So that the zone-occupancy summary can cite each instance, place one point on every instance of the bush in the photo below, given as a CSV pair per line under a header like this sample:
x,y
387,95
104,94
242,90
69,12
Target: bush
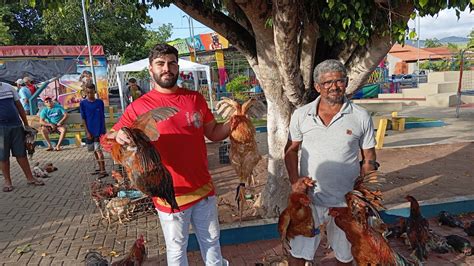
x,y
238,86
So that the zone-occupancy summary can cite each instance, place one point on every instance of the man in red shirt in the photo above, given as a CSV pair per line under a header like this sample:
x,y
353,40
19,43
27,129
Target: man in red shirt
x,y
183,152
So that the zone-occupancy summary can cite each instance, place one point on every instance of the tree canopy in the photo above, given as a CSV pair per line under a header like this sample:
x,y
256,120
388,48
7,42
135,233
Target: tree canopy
x,y
118,26
431,43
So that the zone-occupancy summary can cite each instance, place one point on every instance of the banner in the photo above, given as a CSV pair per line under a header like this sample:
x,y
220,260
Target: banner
x,y
202,42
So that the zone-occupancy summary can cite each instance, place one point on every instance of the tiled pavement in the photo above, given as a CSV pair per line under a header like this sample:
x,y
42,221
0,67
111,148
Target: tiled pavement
x,y
59,223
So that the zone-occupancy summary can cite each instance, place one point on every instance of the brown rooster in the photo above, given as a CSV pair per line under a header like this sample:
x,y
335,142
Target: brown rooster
x,y
141,161
363,226
417,230
136,256
243,154
296,219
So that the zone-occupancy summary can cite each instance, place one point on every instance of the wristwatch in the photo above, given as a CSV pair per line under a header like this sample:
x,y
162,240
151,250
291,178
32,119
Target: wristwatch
x,y
374,163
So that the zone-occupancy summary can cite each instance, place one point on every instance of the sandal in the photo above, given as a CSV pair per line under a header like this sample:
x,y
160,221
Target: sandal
x,y
49,149
102,175
7,188
58,149
35,183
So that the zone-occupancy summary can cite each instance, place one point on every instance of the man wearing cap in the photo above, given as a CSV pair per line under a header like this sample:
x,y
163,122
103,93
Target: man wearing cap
x,y
12,137
25,94
52,119
29,84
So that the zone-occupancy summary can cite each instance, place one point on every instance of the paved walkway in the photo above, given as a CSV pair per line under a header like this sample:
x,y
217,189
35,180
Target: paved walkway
x,y
59,223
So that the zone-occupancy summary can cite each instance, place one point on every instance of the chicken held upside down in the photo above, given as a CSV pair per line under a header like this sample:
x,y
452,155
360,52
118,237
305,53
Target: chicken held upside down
x,y
243,154
141,161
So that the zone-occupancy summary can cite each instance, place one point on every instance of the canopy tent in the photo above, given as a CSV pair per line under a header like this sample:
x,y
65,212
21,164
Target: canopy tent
x,y
184,65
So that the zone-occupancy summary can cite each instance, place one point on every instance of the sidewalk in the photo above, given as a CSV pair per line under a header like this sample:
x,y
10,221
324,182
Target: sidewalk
x,y
59,222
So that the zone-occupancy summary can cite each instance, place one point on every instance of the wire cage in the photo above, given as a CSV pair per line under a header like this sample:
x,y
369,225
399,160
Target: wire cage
x,y
224,149
112,199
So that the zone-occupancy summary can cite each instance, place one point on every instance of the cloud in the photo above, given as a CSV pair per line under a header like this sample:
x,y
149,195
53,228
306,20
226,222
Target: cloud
x,y
445,24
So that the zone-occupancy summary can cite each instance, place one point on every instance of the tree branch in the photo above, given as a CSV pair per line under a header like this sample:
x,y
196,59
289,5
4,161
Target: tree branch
x,y
308,43
224,25
286,28
365,59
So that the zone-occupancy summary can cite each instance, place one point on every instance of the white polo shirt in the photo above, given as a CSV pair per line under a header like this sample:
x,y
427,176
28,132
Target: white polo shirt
x,y
330,154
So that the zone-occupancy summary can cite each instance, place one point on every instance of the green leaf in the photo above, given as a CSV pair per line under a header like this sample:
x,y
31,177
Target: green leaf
x,y
412,35
362,41
342,35
423,2
358,24
331,4
413,15
346,23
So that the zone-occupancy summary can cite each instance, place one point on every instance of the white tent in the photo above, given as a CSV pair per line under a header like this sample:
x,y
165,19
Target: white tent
x,y
184,65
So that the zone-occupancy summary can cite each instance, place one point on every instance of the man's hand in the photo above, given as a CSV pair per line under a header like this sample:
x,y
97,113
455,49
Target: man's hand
x,y
119,136
302,184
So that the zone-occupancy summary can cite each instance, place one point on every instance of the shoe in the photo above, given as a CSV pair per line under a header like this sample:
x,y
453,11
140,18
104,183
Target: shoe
x,y
35,183
49,149
7,188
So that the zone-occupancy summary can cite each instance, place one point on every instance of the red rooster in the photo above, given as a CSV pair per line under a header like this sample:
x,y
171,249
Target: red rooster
x,y
363,226
141,161
136,256
296,219
243,154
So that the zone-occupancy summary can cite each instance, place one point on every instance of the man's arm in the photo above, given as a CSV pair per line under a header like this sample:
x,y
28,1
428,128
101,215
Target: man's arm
x,y
216,131
299,183
368,161
291,159
61,122
22,113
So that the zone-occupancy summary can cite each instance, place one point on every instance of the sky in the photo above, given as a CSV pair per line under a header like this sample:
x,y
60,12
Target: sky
x,y
445,24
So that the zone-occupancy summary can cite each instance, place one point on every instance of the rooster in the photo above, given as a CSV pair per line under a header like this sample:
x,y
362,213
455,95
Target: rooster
x,y
243,153
363,226
417,230
30,138
101,192
296,219
136,256
141,161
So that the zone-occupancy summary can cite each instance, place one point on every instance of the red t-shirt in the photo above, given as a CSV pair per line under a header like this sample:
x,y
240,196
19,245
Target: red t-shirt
x,y
181,144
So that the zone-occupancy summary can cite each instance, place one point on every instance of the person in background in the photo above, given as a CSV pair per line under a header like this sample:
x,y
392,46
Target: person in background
x,y
13,123
25,94
52,118
29,83
85,78
133,91
19,83
93,117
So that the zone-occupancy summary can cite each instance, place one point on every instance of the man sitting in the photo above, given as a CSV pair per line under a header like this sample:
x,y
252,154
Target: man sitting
x,y
52,119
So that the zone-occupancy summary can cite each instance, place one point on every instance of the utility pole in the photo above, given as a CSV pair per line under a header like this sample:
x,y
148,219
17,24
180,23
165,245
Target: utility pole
x,y
91,57
191,35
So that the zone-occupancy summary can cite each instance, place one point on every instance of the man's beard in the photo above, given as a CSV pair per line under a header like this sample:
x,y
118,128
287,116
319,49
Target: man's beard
x,y
335,99
165,83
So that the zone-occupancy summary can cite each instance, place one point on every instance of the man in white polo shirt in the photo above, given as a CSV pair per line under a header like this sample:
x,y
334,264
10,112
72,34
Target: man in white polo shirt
x,y
331,132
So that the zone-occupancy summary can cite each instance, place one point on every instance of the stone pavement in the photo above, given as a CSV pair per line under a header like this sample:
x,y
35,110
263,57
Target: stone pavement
x,y
59,223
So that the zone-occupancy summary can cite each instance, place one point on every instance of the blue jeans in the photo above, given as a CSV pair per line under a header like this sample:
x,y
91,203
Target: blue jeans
x,y
204,219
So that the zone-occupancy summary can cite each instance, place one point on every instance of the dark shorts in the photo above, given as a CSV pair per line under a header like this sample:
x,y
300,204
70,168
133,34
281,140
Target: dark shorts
x,y
93,144
12,138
